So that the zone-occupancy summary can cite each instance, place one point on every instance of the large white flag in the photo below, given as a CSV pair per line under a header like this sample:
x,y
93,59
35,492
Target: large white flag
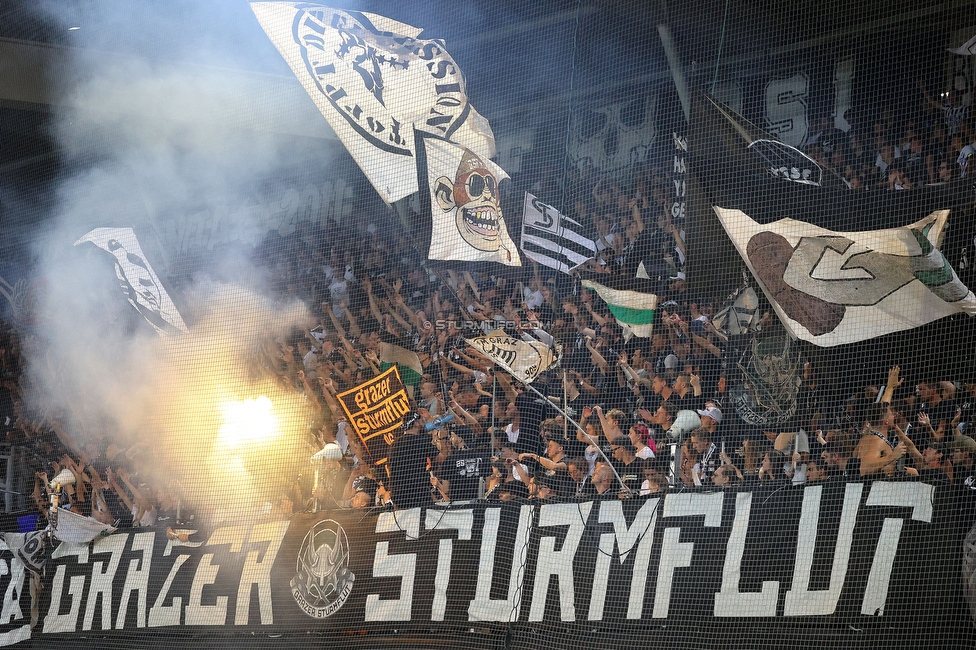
x,y
466,215
832,288
375,82
553,239
138,281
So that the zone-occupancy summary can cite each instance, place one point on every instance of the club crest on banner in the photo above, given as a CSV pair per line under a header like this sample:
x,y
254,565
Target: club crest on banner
x,y
466,214
376,83
323,581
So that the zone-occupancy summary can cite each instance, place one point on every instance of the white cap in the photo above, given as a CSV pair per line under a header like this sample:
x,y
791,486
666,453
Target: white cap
x,y
711,412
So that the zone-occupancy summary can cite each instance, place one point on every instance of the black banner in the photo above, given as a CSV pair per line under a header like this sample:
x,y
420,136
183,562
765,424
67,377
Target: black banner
x,y
375,409
834,553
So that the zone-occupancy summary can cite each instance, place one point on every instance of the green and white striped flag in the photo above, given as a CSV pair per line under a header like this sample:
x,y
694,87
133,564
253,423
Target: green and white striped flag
x,y
411,370
633,310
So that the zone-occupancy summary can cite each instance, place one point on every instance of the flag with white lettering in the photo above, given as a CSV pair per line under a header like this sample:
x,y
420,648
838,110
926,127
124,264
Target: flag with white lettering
x,y
138,280
832,288
460,190
375,409
524,358
553,239
31,550
376,82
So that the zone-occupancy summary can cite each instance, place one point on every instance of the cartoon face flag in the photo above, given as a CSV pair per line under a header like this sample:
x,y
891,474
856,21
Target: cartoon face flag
x,y
832,288
137,279
376,82
466,214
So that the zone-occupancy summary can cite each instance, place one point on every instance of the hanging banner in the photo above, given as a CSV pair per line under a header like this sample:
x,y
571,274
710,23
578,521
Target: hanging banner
x,y
376,82
460,189
678,173
375,409
810,560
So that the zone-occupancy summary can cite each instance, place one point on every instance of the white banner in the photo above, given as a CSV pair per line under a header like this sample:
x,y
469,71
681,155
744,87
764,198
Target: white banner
x,y
466,215
375,82
832,288
138,281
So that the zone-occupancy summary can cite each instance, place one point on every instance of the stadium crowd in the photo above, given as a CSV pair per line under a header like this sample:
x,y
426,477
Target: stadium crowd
x,y
645,415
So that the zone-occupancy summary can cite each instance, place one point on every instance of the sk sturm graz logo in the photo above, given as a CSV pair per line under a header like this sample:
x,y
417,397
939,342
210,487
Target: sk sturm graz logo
x,y
365,74
323,580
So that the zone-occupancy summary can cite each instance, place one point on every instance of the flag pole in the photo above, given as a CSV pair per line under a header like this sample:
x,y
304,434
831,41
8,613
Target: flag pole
x,y
581,430
494,397
677,73
565,419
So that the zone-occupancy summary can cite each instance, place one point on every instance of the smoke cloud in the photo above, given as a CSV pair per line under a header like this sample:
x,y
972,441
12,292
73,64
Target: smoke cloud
x,y
157,127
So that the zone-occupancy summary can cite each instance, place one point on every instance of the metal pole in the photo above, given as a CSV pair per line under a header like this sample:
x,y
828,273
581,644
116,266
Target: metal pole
x,y
494,397
580,429
674,63
315,485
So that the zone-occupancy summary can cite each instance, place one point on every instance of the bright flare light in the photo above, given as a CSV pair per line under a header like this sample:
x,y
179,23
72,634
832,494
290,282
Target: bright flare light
x,y
248,422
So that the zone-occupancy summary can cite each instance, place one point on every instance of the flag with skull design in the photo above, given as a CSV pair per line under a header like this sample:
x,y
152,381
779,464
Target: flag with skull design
x,y
461,189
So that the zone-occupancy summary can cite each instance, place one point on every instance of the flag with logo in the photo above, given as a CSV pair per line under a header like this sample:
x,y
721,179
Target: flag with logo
x,y
460,192
553,239
524,358
137,279
633,310
832,288
376,82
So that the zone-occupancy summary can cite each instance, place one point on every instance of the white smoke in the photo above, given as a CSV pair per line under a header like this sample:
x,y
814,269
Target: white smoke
x,y
157,133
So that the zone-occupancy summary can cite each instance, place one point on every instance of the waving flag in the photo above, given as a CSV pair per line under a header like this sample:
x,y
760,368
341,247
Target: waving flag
x,y
460,192
411,370
832,288
524,358
633,310
553,239
376,82
375,409
137,279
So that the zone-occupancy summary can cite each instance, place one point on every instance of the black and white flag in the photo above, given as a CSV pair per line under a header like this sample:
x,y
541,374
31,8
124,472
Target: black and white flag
x,y
376,82
552,239
138,281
